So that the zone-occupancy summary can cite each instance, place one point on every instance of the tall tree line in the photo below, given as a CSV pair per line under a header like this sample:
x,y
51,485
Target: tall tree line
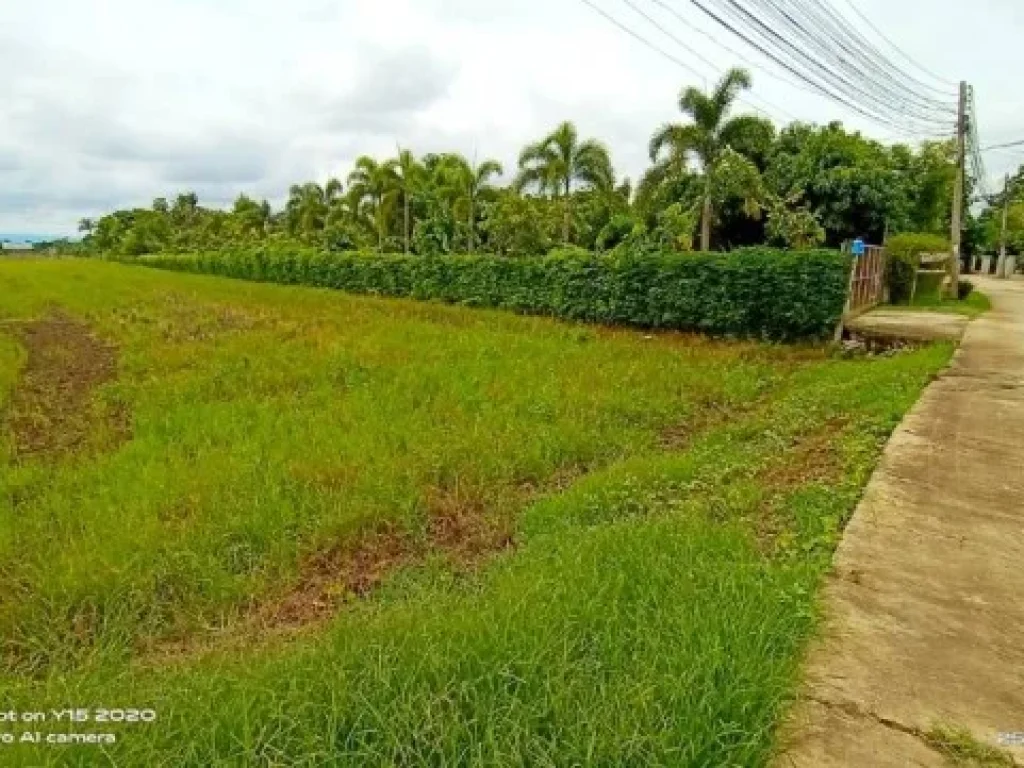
x,y
716,181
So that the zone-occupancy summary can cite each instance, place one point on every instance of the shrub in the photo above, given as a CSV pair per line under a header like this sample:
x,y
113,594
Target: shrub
x,y
569,251
904,258
929,287
758,292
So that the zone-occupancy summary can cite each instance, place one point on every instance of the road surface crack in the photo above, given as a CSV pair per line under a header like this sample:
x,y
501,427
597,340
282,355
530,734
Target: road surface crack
x,y
925,737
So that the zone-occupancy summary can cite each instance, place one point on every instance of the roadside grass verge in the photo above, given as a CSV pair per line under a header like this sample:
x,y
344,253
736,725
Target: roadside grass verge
x,y
673,503
975,305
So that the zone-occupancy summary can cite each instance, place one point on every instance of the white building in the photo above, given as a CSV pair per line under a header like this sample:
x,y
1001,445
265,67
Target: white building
x,y
16,247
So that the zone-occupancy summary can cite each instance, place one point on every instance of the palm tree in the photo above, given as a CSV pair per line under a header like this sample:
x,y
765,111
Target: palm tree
x,y
375,183
469,184
555,163
705,138
309,204
408,173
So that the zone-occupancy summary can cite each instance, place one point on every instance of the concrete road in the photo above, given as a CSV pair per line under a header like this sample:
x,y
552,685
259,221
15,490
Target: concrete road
x,y
925,604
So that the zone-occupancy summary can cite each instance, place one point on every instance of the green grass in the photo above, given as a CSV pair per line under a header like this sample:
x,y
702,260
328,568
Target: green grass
x,y
962,750
653,610
11,361
975,305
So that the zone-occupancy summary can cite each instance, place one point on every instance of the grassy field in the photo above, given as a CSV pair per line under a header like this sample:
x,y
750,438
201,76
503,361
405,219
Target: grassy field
x,y
313,529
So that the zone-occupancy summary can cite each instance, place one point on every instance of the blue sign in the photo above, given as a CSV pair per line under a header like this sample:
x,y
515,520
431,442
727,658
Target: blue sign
x,y
857,249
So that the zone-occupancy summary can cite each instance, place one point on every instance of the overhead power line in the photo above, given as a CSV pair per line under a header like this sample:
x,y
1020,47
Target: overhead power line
x,y
814,45
1010,155
675,60
974,147
712,65
819,31
644,40
731,51
865,51
797,46
786,36
1004,146
817,82
951,84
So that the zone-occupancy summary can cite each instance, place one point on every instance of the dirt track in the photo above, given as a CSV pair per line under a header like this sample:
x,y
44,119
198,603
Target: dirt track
x,y
925,611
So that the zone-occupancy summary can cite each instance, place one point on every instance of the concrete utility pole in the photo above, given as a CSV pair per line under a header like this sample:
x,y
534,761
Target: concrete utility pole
x,y
1001,263
958,191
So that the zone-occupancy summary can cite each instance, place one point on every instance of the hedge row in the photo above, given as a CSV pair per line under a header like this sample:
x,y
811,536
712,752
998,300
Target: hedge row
x,y
757,292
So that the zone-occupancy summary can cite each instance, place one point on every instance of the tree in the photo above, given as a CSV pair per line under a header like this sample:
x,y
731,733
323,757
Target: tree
x,y
251,218
469,185
675,228
850,183
736,180
560,160
931,175
309,206
374,184
792,225
518,225
622,228
185,206
408,175
705,138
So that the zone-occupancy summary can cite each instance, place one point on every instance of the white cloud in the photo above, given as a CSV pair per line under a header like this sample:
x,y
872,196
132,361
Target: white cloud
x,y
113,102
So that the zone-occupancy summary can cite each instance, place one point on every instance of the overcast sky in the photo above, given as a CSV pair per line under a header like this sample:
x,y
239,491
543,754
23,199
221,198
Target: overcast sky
x,y
110,103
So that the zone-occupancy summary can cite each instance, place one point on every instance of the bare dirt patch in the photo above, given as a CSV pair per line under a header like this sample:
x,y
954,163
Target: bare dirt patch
x,y
52,411
460,527
464,526
707,414
813,458
347,571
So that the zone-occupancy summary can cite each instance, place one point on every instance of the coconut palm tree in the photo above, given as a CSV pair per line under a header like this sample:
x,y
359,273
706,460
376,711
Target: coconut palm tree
x,y
705,137
375,184
560,160
468,184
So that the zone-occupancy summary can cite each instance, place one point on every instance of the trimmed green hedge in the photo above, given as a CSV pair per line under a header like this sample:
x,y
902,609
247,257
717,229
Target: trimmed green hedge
x,y
757,292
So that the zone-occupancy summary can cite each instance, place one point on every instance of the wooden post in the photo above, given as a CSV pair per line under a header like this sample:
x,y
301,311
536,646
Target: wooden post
x,y
838,335
958,192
